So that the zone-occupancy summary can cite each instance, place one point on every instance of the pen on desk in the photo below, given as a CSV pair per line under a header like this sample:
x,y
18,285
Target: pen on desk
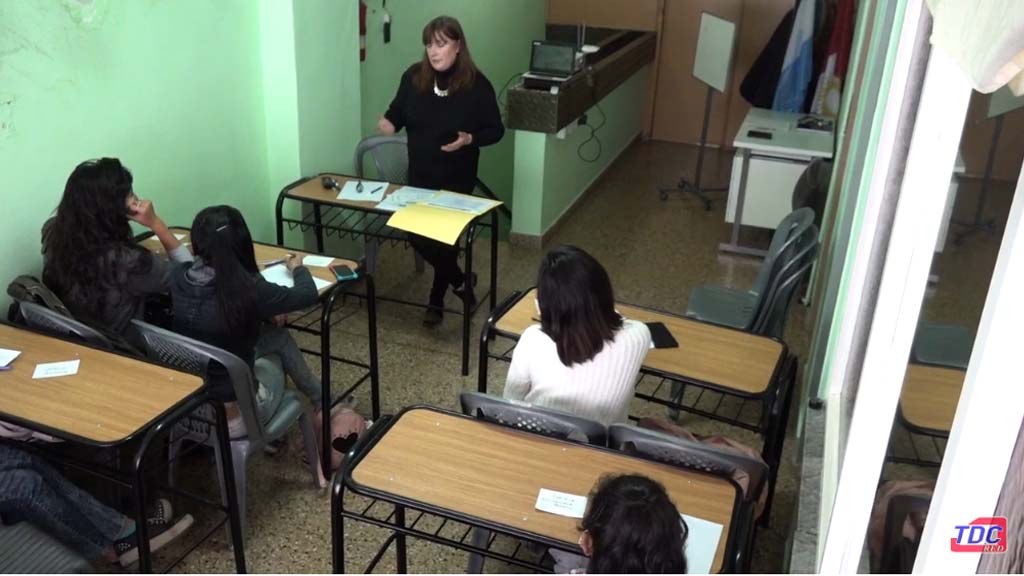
x,y
6,368
269,263
374,191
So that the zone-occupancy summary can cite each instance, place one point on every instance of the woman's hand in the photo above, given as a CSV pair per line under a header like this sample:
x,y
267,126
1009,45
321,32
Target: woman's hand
x,y
463,139
385,127
293,262
144,213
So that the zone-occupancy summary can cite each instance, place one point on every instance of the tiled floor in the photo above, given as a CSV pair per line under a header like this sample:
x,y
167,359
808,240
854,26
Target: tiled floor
x,y
655,252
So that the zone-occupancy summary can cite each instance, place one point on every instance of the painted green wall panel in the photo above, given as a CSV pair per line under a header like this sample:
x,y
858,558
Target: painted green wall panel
x,y
280,89
529,182
566,175
327,71
172,88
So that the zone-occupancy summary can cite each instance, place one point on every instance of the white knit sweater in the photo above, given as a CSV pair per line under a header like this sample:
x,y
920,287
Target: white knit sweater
x,y
599,389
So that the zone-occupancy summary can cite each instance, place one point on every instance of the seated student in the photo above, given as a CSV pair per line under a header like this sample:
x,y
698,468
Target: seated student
x,y
90,260
32,491
631,526
222,299
584,357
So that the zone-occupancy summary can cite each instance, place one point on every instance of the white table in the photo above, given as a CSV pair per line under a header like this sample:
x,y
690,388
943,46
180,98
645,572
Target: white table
x,y
765,171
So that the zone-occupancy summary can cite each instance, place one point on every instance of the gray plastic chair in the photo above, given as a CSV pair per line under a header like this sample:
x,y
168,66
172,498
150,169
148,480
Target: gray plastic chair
x,y
193,356
942,345
390,155
771,321
42,318
544,421
24,549
522,416
691,455
739,308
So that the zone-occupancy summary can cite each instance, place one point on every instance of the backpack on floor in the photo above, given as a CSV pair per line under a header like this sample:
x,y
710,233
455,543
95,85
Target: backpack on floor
x,y
346,426
666,427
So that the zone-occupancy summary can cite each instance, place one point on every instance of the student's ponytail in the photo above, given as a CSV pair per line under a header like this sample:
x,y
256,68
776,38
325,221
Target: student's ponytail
x,y
221,238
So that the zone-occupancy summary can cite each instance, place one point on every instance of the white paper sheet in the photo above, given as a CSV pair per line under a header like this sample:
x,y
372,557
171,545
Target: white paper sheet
x,y
320,261
179,237
7,356
462,203
54,369
405,196
371,191
281,276
561,503
701,544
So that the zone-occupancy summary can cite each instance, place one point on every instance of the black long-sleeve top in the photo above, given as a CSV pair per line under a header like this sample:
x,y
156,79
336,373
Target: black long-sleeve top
x,y
431,121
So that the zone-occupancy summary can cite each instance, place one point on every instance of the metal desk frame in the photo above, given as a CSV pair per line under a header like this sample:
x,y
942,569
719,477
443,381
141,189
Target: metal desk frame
x,y
368,223
135,479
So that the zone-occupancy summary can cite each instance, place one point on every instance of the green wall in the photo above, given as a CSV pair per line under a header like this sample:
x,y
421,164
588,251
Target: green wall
x,y
206,102
172,88
549,173
499,35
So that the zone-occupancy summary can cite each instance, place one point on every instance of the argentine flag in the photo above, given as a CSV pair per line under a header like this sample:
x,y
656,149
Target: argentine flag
x,y
797,67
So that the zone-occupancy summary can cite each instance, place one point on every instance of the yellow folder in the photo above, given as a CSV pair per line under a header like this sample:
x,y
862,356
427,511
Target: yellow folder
x,y
441,224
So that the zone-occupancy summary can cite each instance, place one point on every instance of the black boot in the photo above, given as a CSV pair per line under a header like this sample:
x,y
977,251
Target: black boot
x,y
467,293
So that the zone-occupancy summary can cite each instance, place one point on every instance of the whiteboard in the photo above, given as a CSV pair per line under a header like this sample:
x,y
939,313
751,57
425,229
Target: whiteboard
x,y
1002,101
714,51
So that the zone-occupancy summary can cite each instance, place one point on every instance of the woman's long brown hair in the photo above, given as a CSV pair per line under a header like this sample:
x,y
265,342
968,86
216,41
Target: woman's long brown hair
x,y
465,71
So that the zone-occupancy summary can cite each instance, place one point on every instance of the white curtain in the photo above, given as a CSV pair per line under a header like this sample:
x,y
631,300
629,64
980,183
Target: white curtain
x,y
986,39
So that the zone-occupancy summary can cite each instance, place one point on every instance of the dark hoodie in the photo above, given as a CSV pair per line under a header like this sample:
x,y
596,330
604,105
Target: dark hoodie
x,y
198,315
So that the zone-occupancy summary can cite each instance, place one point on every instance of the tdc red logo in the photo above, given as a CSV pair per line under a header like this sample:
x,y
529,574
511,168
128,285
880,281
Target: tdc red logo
x,y
981,535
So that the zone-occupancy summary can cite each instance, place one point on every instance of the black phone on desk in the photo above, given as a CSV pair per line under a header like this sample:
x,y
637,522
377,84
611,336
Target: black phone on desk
x,y
761,134
660,336
343,272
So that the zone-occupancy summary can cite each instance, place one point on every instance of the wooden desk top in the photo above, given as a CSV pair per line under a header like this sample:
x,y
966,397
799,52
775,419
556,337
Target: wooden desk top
x,y
495,473
111,398
727,358
314,191
930,396
264,252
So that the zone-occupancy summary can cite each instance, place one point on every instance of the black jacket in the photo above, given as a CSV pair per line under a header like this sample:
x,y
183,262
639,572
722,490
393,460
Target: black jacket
x,y
431,121
198,315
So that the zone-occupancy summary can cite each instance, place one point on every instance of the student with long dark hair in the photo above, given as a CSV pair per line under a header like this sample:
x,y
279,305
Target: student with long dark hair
x,y
632,527
90,259
222,299
449,111
583,357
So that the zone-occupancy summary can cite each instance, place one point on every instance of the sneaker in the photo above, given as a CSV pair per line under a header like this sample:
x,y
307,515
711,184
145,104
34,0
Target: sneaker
x,y
161,513
127,548
433,316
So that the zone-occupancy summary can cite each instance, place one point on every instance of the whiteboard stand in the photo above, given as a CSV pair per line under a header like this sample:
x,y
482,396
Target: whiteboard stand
x,y
711,65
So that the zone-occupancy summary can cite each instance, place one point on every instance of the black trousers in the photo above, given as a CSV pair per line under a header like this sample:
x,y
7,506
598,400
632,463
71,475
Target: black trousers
x,y
445,261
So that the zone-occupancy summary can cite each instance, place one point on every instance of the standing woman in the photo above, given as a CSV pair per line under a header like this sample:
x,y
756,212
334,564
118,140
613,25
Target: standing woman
x,y
449,111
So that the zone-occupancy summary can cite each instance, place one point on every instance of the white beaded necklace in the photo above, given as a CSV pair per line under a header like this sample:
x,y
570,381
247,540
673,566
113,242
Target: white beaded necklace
x,y
438,91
